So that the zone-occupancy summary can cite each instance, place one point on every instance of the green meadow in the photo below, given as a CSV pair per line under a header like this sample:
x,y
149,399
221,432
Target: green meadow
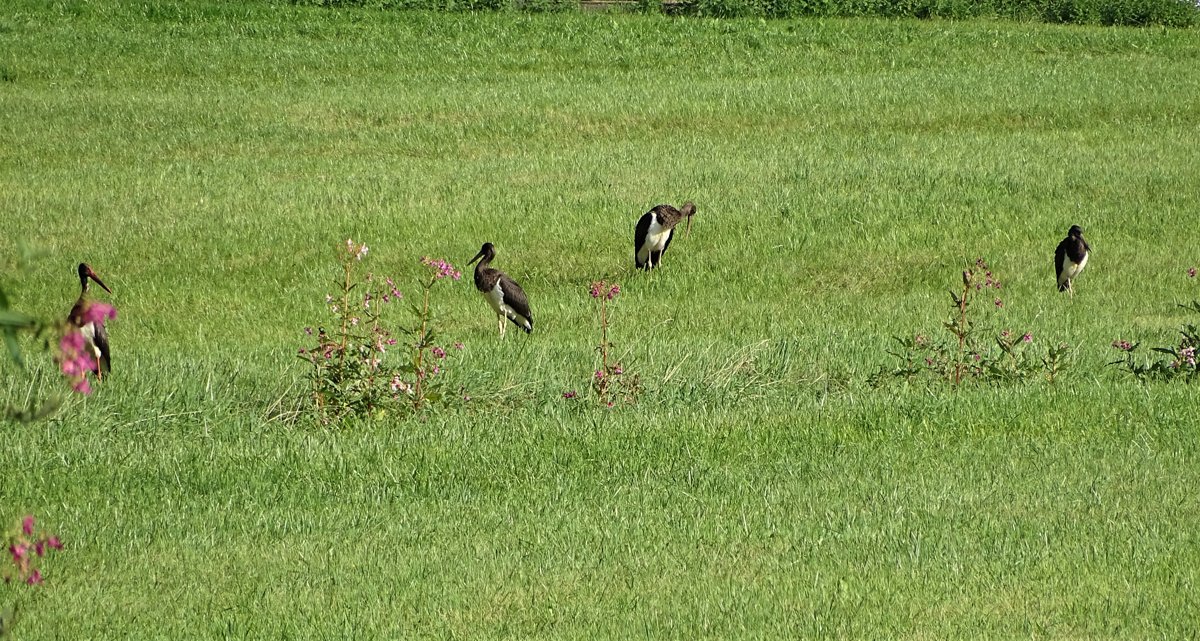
x,y
207,158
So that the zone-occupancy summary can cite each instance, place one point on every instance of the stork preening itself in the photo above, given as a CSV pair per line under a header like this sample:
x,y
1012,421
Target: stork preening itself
x,y
654,230
95,337
1070,257
502,293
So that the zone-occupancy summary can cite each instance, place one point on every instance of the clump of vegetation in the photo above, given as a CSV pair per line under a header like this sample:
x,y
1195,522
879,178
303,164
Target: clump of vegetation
x,y
1178,362
611,382
25,545
350,370
1171,13
971,352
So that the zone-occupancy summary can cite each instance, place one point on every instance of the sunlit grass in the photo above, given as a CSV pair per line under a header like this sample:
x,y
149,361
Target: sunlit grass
x,y
206,158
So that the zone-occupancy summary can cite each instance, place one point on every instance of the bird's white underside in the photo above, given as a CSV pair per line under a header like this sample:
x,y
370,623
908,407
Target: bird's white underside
x,y
495,298
656,240
1071,270
89,339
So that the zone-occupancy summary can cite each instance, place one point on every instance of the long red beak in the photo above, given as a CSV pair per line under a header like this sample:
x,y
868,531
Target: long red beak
x,y
94,277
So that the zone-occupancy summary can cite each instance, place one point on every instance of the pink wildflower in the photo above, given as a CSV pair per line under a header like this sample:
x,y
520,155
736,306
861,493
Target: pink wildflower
x,y
1028,338
54,543
1192,272
458,345
97,312
27,525
35,578
441,268
76,361
570,394
439,352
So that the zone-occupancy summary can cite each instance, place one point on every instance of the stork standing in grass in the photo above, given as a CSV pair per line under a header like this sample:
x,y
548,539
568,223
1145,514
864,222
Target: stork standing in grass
x,y
502,293
1070,257
94,335
654,230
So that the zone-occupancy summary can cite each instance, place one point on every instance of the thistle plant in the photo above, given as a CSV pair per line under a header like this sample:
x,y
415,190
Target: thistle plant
x,y
20,569
350,370
610,382
971,352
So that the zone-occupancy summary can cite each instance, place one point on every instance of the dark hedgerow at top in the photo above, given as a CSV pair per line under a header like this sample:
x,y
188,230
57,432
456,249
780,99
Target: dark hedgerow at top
x,y
1169,13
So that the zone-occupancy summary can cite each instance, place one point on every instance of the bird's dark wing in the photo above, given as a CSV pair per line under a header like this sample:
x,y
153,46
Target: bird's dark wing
x,y
641,230
101,341
76,316
515,298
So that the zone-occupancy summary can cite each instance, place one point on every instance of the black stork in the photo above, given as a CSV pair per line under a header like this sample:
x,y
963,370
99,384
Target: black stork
x,y
654,230
502,293
1070,257
94,335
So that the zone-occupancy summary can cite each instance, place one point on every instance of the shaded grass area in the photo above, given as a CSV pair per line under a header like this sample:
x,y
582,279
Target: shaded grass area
x,y
205,159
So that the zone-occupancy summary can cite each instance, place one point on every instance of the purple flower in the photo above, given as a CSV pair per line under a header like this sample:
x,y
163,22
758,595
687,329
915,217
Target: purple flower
x,y
999,303
570,394
308,331
439,352
597,287
458,345
19,552
27,525
1192,272
54,543
35,578
441,268
1028,338
76,361
1188,354
613,291
599,374
1124,346
98,312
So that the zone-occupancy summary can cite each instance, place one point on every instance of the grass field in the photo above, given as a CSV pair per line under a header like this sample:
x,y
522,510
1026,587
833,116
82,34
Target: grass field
x,y
206,158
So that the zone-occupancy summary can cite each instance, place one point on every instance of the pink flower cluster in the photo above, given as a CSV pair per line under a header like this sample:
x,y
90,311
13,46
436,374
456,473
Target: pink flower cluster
x,y
1124,346
394,294
441,268
1192,272
24,549
98,312
76,360
601,289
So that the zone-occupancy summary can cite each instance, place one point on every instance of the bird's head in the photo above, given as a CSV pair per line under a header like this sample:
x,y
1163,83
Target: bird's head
x,y
86,272
688,210
487,252
1075,231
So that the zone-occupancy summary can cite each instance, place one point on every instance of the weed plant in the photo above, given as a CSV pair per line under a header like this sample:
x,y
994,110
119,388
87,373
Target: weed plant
x,y
1179,362
350,372
611,383
967,355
